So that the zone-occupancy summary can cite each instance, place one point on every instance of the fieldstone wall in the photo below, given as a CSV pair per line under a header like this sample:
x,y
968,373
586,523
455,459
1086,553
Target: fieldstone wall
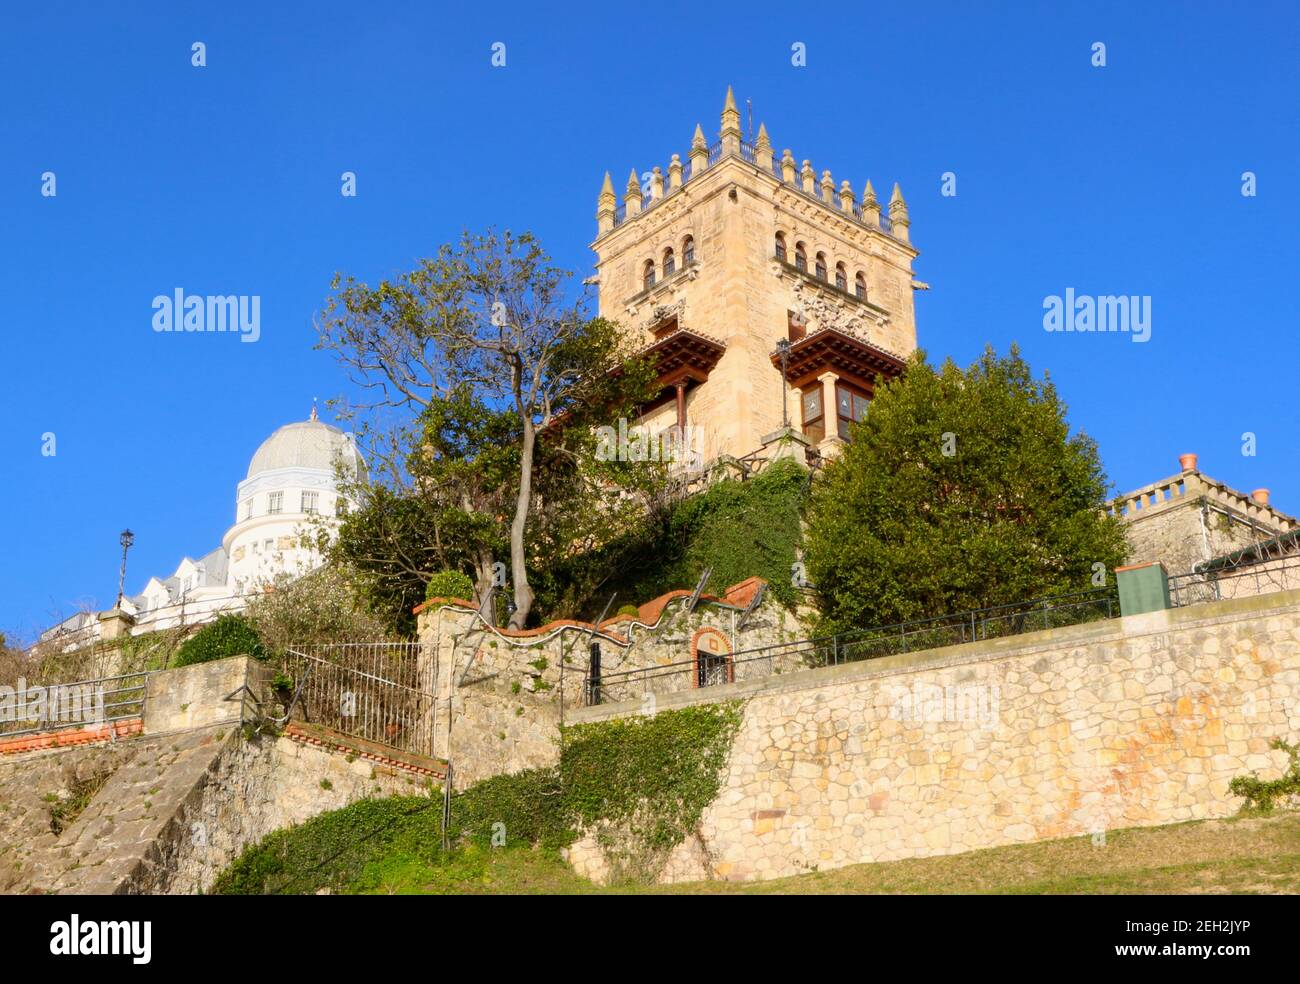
x,y
1129,722
166,811
255,787
170,812
509,691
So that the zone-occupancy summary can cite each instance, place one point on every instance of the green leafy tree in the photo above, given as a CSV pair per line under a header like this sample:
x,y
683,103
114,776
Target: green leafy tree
x,y
497,380
962,489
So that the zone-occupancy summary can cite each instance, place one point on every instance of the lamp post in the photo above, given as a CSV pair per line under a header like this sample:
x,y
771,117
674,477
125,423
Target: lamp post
x,y
783,350
126,539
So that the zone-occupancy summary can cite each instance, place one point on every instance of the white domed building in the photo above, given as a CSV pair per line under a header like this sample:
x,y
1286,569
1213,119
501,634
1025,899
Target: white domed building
x,y
289,489
289,495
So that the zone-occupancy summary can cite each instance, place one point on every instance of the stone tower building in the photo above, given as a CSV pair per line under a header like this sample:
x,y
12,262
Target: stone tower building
x,y
737,259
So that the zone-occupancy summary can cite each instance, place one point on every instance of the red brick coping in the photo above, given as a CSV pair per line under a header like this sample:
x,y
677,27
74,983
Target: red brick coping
x,y
334,741
65,737
737,596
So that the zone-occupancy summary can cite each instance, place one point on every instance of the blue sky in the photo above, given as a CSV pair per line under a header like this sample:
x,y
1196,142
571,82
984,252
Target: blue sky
x,y
225,179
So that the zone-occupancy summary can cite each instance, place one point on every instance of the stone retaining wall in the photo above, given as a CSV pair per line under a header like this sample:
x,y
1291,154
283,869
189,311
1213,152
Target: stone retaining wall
x,y
166,810
1128,722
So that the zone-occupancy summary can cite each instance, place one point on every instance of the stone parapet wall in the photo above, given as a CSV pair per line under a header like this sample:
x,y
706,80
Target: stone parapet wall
x,y
1129,722
509,692
1189,518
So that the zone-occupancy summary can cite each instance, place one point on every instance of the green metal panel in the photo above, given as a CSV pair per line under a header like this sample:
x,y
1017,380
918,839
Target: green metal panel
x,y
1143,589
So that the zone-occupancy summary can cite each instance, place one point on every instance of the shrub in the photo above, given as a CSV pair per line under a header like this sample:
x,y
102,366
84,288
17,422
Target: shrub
x,y
325,606
229,635
1264,795
629,610
449,584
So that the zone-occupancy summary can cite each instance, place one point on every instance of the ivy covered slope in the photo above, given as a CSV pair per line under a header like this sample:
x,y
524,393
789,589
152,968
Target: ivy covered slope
x,y
641,785
740,529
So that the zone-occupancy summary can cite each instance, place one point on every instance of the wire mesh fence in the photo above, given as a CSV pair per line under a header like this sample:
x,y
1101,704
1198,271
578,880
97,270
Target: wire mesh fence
x,y
1261,577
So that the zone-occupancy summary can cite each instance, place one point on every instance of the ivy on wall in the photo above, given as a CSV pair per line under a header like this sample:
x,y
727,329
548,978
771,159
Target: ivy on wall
x,y
740,529
641,784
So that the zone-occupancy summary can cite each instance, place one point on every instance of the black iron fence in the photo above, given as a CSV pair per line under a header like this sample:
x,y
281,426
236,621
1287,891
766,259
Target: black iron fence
x,y
849,647
377,691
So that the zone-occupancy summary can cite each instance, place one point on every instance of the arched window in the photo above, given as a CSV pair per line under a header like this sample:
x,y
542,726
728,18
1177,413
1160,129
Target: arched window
x,y
780,246
670,263
841,277
688,251
648,276
860,286
800,257
821,266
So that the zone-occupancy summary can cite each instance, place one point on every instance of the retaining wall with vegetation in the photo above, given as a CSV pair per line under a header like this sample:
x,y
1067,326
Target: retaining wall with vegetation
x,y
165,811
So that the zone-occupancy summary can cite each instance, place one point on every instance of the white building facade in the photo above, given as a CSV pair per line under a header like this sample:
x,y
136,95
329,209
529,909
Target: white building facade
x,y
287,507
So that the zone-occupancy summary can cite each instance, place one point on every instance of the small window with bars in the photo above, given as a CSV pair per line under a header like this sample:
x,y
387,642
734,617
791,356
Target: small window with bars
x,y
275,503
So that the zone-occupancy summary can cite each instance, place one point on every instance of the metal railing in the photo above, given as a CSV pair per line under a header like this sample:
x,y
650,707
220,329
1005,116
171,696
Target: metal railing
x,y
377,691
932,633
38,708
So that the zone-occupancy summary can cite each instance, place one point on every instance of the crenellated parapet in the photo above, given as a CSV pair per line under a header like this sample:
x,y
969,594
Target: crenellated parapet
x,y
651,187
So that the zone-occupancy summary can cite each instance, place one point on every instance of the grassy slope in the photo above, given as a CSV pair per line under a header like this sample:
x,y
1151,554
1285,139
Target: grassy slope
x,y
1251,855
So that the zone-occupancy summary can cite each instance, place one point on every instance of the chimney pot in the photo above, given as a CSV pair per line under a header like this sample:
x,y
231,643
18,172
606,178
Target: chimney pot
x,y
1260,496
1187,462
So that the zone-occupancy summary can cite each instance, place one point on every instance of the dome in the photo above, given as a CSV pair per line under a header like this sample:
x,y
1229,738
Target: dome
x,y
308,444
